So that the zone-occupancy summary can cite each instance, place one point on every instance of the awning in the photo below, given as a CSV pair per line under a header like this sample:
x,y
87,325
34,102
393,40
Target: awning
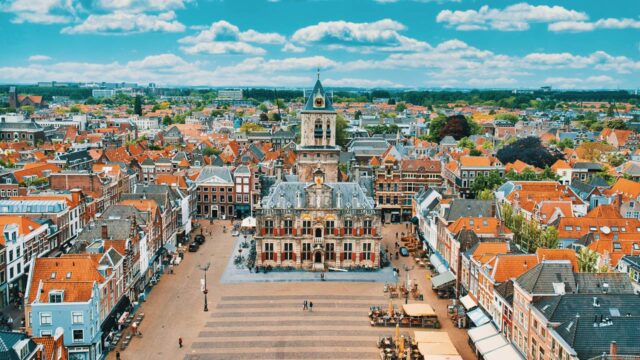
x,y
443,280
437,263
418,310
478,317
170,247
442,357
248,222
505,352
482,332
468,302
484,346
431,336
110,321
445,348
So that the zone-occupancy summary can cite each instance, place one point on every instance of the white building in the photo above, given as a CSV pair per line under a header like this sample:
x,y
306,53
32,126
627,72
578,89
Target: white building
x,y
103,93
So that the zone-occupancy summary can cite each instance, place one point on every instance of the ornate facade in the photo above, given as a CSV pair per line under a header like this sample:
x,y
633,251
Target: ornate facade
x,y
317,223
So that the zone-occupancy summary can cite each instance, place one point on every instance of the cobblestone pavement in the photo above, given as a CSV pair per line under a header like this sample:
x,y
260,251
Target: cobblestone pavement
x,y
265,320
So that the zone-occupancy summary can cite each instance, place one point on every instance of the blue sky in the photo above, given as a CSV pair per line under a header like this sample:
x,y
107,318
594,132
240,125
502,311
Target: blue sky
x,y
360,43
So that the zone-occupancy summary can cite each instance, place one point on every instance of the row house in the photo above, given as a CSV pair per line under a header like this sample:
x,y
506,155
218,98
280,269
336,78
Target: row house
x,y
576,232
546,300
98,186
459,175
185,189
317,225
168,204
216,193
621,139
473,260
40,210
22,239
396,183
542,201
244,189
152,168
582,171
76,293
624,195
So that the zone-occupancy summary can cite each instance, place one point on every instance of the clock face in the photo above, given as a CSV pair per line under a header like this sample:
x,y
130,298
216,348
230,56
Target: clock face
x,y
319,102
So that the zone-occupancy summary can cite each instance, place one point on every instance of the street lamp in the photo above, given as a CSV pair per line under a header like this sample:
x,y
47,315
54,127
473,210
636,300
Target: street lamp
x,y
204,268
406,284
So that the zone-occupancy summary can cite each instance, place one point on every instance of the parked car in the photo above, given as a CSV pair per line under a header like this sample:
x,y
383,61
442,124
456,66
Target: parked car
x,y
404,251
194,246
199,239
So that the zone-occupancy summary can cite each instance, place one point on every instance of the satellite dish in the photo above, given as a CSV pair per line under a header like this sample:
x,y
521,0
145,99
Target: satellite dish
x,y
605,229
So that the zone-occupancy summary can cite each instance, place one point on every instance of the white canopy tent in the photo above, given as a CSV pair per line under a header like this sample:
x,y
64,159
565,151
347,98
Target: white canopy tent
x,y
248,222
489,344
468,302
482,332
507,352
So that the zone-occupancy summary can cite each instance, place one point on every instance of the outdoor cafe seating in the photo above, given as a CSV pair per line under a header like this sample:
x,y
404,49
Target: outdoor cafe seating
x,y
412,315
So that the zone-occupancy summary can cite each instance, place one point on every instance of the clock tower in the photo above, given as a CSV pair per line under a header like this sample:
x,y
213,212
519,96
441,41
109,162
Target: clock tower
x,y
317,149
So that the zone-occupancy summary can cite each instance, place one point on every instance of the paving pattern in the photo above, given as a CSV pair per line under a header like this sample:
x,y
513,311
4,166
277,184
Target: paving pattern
x,y
276,327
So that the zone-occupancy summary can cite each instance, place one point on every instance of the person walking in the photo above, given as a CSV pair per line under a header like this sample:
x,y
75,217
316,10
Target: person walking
x,y
396,234
310,306
117,355
304,305
180,342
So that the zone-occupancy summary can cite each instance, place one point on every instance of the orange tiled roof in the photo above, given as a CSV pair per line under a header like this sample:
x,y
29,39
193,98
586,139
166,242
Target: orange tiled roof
x,y
480,225
505,267
488,250
559,254
37,169
25,225
604,212
628,188
475,161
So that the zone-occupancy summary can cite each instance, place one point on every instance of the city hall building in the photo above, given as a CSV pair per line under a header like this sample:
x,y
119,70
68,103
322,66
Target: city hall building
x,y
316,223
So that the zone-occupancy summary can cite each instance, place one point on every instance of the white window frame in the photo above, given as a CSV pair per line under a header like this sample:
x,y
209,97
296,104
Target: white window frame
x,y
46,315
75,315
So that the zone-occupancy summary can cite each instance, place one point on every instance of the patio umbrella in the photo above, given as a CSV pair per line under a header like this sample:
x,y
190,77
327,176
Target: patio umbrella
x,y
401,350
397,334
390,308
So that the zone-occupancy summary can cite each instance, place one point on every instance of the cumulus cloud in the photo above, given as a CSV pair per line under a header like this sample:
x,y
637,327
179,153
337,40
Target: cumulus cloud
x,y
120,22
516,17
223,37
39,58
382,35
362,83
41,11
141,5
575,82
289,47
608,23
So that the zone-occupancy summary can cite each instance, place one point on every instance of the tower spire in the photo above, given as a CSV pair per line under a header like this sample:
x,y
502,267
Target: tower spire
x,y
318,72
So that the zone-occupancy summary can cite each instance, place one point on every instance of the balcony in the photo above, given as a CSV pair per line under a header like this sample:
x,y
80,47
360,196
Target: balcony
x,y
317,241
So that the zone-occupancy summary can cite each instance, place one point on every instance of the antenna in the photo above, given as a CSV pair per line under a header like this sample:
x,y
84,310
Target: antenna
x,y
318,72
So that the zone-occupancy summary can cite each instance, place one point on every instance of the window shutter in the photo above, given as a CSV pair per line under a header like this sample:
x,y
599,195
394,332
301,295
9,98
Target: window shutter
x,y
295,231
373,231
262,232
275,232
373,257
335,232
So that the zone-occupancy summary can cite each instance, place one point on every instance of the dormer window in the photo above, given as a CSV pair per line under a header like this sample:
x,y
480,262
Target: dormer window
x,y
53,275
69,275
56,296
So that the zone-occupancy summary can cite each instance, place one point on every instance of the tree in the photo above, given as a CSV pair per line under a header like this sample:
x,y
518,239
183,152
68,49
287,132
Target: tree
x,y
264,117
357,114
341,131
391,102
208,151
466,143
611,111
617,124
29,109
74,109
529,150
485,194
250,127
513,118
587,260
593,151
491,182
456,126
166,120
275,117
137,105
263,108
400,107
566,143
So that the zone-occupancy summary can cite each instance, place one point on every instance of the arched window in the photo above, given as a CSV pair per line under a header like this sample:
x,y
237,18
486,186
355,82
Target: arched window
x,y
328,130
317,130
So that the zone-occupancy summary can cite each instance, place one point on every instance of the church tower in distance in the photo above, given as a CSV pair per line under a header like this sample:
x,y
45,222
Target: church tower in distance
x,y
317,149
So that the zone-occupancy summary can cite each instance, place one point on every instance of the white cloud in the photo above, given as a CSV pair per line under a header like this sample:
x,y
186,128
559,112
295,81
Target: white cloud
x,y
260,65
41,11
361,83
575,82
598,60
289,47
516,17
223,37
120,22
608,23
382,35
141,5
39,58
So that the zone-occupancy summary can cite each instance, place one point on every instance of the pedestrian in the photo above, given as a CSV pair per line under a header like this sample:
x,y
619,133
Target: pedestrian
x,y
117,355
310,306
396,234
180,342
304,305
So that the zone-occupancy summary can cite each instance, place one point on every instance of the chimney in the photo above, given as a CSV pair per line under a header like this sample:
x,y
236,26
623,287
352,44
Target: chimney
x,y
105,231
613,350
75,195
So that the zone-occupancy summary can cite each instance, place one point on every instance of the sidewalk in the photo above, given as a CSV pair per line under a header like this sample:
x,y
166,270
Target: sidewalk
x,y
233,275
